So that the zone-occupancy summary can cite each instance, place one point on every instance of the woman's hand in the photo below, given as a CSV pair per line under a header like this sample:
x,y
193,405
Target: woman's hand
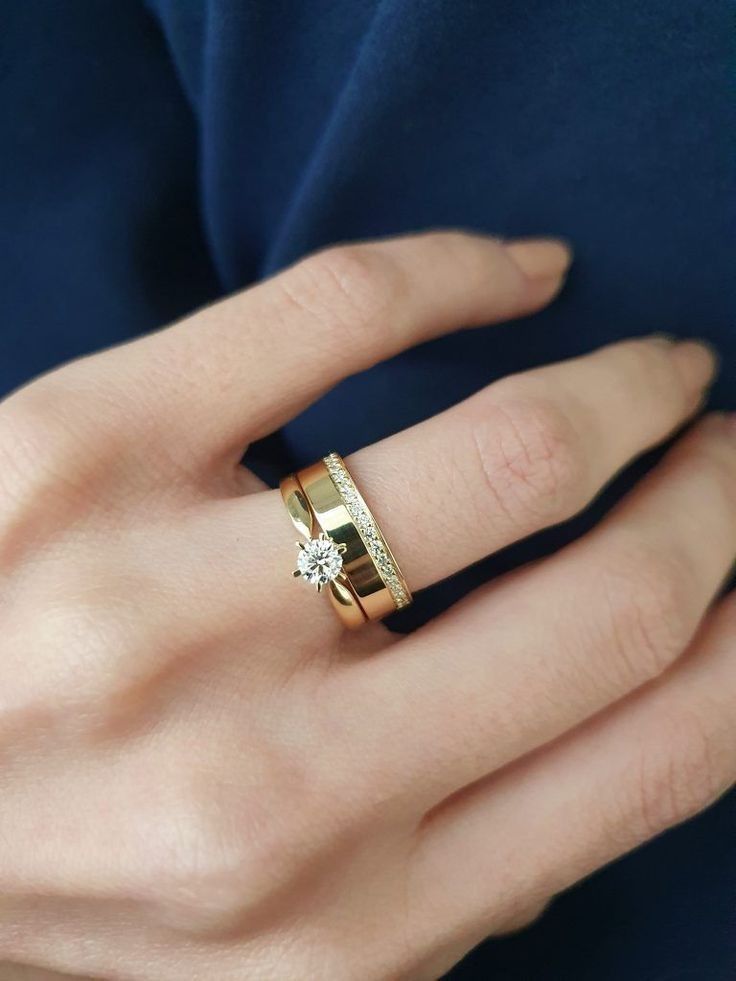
x,y
204,777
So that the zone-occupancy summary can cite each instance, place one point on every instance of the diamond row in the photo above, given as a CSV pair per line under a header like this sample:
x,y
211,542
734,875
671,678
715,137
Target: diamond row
x,y
368,529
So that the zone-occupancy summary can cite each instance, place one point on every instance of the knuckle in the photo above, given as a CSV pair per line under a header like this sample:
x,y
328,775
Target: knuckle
x,y
26,419
647,596
680,777
229,854
347,289
52,455
41,448
71,641
198,879
530,459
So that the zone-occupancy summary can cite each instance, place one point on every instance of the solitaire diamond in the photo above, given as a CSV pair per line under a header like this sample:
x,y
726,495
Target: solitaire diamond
x,y
319,560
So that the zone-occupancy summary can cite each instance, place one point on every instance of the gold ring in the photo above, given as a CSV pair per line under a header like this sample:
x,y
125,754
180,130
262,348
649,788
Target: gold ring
x,y
344,550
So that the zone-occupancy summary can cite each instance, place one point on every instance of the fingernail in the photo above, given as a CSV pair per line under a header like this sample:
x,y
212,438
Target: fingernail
x,y
540,258
697,361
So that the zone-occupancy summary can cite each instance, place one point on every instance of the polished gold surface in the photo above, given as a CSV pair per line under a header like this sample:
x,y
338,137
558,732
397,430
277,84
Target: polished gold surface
x,y
342,596
323,499
297,506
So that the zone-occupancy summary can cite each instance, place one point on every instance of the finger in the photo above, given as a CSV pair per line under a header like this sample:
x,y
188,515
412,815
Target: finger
x,y
20,972
523,661
525,453
649,763
522,454
240,368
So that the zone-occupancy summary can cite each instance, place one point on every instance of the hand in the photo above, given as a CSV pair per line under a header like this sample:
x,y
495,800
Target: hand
x,y
204,776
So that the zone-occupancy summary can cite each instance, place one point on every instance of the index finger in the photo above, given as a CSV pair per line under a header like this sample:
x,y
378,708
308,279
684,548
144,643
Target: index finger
x,y
240,368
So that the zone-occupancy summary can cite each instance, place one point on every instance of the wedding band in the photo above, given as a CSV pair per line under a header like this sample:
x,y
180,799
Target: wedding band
x,y
345,550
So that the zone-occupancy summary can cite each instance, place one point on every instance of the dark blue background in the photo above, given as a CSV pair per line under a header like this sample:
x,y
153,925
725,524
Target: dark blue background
x,y
157,156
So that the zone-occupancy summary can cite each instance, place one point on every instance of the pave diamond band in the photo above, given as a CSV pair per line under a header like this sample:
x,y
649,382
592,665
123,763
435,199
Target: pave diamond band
x,y
344,550
369,531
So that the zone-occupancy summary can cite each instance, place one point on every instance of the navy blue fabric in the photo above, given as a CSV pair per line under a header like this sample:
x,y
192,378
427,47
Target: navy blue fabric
x,y
156,156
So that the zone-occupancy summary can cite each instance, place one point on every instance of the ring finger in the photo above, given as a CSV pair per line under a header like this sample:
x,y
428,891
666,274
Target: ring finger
x,y
523,454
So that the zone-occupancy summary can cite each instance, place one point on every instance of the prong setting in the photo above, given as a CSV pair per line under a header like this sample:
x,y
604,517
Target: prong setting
x,y
320,560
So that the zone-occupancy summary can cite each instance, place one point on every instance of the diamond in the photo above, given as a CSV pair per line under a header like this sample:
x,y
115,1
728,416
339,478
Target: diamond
x,y
367,529
319,560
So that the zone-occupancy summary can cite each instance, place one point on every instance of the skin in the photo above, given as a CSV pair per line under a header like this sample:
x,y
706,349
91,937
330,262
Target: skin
x,y
204,776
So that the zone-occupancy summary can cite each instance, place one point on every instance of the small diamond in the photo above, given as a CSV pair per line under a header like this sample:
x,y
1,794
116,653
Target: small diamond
x,y
319,561
366,526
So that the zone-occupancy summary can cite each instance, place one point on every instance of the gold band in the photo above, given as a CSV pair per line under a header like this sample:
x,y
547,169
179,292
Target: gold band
x,y
324,503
